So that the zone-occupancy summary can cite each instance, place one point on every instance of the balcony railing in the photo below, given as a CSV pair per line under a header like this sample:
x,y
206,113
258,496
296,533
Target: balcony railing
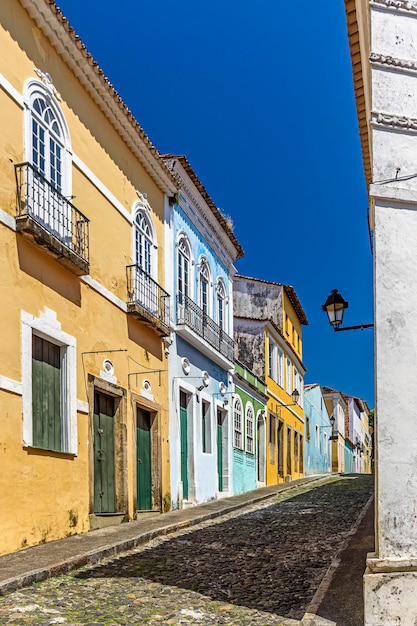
x,y
147,300
47,217
190,314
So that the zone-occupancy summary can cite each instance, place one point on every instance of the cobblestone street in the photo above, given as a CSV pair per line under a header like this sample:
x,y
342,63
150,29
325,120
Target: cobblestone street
x,y
261,565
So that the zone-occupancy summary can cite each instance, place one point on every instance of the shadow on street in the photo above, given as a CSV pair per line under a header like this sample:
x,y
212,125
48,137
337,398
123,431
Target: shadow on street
x,y
272,559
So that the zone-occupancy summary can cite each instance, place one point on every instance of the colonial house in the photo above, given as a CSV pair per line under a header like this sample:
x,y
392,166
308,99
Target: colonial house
x,y
268,320
200,253
249,430
317,433
83,370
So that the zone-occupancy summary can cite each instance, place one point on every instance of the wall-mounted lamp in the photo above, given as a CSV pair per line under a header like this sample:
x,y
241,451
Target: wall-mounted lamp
x,y
335,306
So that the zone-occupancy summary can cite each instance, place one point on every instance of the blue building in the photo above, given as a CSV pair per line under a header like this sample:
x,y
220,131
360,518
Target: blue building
x,y
199,273
318,430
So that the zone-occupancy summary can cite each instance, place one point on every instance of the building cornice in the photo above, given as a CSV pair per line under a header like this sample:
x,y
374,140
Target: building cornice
x,y
401,6
50,20
383,60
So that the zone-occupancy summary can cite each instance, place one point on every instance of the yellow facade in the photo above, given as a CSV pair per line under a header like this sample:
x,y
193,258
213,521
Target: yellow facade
x,y
50,494
285,424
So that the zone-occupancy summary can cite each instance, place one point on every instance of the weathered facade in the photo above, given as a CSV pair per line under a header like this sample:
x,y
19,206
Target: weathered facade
x,y
268,320
338,408
199,270
83,375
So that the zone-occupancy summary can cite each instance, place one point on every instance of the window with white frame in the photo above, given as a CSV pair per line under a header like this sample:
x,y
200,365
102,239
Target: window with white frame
x,y
298,384
272,356
206,427
280,366
49,384
317,437
221,303
237,424
183,260
249,429
289,383
143,241
204,286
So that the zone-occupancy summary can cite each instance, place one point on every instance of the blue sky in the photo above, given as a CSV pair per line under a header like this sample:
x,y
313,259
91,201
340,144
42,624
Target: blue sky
x,y
260,99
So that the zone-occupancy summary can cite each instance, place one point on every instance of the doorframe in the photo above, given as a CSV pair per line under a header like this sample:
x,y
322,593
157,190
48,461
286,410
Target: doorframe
x,y
120,442
156,450
226,447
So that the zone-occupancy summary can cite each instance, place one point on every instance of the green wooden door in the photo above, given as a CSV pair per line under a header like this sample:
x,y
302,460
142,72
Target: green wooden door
x,y
184,443
143,462
219,451
104,456
46,395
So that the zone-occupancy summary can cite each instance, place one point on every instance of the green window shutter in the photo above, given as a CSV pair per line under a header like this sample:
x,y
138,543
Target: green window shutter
x,y
46,395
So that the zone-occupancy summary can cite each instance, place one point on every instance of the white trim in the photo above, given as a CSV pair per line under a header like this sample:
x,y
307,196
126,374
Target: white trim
x,y
8,384
9,89
78,163
48,327
7,220
289,408
83,407
103,291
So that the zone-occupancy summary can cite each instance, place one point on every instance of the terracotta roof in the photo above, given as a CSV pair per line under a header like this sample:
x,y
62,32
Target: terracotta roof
x,y
290,291
55,26
202,190
358,84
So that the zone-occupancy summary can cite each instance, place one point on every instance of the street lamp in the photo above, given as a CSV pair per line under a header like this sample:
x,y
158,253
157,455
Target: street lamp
x,y
335,306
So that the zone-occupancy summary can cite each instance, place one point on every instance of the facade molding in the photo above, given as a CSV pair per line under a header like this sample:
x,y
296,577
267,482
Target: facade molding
x,y
103,291
9,89
402,6
389,61
13,386
83,407
394,122
7,220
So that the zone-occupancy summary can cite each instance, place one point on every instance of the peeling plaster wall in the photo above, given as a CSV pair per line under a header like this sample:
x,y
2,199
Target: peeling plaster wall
x,y
250,346
254,299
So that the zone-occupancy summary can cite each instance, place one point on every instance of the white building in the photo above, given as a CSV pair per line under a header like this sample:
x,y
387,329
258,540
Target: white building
x,y
383,43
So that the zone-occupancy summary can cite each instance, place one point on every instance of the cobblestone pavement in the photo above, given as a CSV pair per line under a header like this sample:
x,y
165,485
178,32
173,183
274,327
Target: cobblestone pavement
x,y
260,566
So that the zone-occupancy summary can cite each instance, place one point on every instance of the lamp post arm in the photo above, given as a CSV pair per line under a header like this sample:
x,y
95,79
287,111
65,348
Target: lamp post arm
x,y
360,327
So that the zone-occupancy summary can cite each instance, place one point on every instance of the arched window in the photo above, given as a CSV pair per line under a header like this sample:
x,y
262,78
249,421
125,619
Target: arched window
x,y
249,429
221,303
237,424
143,242
47,144
204,280
183,268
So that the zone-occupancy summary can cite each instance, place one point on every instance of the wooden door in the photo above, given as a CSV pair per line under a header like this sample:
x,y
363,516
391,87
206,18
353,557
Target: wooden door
x,y
220,450
184,443
104,454
144,460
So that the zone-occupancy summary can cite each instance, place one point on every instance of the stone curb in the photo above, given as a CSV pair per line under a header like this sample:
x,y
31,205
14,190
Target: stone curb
x,y
310,618
94,556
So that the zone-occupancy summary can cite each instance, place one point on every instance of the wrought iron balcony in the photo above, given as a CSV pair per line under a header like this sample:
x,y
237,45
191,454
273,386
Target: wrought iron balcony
x,y
147,301
46,216
191,315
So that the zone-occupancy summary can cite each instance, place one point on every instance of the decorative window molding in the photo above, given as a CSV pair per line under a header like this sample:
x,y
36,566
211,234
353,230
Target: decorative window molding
x,y
237,424
249,430
144,240
406,6
400,122
204,280
385,60
47,327
47,138
221,303
184,259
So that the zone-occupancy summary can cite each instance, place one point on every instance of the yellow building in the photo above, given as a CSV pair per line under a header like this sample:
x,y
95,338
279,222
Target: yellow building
x,y
83,369
268,320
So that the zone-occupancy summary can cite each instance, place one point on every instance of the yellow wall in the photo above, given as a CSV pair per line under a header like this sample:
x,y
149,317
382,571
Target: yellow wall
x,y
47,495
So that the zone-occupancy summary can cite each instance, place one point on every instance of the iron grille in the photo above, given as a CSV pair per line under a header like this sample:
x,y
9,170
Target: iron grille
x,y
190,314
38,200
145,292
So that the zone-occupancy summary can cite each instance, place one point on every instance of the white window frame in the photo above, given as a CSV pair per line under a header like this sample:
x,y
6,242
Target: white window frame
x,y
48,327
35,89
289,382
272,359
140,208
280,366
184,251
249,428
221,298
237,426
204,275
